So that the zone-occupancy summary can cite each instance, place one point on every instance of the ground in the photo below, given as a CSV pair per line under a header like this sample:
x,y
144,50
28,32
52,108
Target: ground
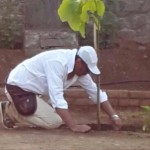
x,y
119,69
64,139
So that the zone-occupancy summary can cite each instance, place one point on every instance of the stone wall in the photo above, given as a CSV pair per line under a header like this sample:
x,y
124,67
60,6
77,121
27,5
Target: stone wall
x,y
118,98
11,24
134,20
39,21
133,17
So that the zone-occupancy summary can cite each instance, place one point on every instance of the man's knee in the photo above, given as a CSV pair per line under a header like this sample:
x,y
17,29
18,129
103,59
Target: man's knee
x,y
55,123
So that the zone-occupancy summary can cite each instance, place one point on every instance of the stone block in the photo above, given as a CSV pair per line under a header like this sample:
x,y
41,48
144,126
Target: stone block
x,y
139,94
145,102
76,93
117,93
40,40
134,102
114,102
56,39
124,103
81,101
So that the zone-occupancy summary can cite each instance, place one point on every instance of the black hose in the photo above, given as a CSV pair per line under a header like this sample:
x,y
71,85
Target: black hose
x,y
124,82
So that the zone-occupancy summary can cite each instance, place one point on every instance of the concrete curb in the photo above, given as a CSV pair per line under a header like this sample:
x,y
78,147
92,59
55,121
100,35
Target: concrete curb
x,y
118,98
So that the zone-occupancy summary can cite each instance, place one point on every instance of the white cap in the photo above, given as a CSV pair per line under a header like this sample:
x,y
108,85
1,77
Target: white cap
x,y
89,56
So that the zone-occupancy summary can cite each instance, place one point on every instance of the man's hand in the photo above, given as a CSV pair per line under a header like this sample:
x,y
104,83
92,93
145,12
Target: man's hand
x,y
117,123
67,118
81,128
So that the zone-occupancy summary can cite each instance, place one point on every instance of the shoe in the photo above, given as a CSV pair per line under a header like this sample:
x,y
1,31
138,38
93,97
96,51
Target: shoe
x,y
4,118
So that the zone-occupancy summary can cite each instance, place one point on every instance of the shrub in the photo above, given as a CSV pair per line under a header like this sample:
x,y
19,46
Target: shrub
x,y
109,25
11,27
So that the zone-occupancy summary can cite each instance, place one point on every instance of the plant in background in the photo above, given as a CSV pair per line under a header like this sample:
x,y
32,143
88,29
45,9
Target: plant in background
x,y
146,115
10,27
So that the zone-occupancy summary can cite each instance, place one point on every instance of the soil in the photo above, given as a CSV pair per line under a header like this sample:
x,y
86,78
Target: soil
x,y
121,69
129,138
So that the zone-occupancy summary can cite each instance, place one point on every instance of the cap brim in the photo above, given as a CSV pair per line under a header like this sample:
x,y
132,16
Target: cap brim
x,y
94,70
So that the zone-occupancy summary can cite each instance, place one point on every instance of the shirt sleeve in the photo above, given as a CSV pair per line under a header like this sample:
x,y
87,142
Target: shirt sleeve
x,y
91,88
55,71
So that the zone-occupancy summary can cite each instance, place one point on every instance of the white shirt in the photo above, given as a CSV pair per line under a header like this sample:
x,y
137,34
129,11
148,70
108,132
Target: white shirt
x,y
46,73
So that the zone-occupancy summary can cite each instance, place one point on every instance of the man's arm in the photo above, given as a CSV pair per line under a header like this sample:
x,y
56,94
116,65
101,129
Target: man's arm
x,y
106,106
66,117
87,83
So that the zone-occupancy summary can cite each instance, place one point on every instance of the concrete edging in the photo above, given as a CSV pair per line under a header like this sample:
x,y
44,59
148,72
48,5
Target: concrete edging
x,y
118,98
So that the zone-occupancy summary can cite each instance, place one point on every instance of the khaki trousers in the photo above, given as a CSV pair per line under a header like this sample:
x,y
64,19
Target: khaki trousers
x,y
44,117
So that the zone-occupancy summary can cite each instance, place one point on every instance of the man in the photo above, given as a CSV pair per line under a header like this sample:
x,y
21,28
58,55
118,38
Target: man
x,y
50,73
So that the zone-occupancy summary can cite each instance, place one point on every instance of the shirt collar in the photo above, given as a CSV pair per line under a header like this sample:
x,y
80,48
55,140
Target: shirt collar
x,y
71,60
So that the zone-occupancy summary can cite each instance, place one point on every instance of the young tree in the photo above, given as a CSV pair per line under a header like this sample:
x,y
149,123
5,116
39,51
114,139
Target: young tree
x,y
78,13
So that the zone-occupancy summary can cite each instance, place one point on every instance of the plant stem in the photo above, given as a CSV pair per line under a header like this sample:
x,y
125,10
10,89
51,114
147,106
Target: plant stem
x,y
96,46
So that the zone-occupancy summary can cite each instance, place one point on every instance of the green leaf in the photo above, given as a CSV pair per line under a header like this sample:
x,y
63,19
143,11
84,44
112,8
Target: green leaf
x,y
69,11
89,6
77,13
82,29
100,8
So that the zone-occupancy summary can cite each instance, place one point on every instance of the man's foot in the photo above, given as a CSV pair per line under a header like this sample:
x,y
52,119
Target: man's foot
x,y
4,118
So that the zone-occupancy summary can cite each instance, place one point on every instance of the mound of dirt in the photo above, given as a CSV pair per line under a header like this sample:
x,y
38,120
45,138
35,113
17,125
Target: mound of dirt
x,y
125,68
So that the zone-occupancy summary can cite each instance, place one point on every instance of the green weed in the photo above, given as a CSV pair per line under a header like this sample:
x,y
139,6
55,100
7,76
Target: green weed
x,y
146,115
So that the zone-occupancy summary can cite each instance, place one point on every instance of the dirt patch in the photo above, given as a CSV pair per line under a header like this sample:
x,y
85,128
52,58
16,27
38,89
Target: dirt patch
x,y
64,139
